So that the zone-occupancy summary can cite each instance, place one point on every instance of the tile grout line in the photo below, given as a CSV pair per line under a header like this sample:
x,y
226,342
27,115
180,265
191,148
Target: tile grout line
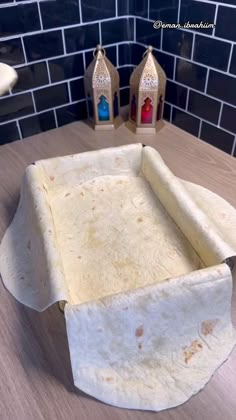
x,y
206,81
178,16
220,114
48,70
84,61
230,58
135,29
55,116
116,8
69,91
148,9
200,129
63,41
215,19
161,40
187,99
193,46
40,16
126,65
234,146
100,33
171,113
80,11
34,105
174,68
19,129
23,49
117,56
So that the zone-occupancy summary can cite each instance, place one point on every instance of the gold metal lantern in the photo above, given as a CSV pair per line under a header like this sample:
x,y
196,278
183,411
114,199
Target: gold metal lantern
x,y
101,82
147,94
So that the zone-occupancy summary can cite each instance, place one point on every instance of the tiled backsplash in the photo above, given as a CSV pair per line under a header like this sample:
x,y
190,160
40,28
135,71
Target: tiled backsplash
x,y
50,43
200,65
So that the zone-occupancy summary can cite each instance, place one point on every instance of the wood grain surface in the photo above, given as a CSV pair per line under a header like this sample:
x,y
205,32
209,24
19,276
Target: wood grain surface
x,y
35,374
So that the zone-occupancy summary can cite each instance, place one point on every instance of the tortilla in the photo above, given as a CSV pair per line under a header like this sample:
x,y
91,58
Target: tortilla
x,y
141,259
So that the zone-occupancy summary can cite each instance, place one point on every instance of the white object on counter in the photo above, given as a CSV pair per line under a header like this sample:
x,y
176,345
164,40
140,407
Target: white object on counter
x,y
8,78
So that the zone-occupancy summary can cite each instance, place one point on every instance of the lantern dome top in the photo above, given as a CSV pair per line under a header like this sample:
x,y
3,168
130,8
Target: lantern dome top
x,y
148,74
100,72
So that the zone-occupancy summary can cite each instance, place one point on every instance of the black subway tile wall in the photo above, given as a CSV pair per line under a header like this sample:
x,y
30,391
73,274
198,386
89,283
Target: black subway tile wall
x,y
18,19
119,30
51,42
43,45
59,13
146,34
94,10
37,123
200,64
225,24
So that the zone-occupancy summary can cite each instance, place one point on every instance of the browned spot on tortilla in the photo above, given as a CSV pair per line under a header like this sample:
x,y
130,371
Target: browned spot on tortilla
x,y
140,346
120,182
125,308
22,278
208,326
52,178
118,161
102,189
93,208
139,331
99,329
29,244
109,379
67,194
79,256
93,239
121,205
82,193
140,220
49,231
189,351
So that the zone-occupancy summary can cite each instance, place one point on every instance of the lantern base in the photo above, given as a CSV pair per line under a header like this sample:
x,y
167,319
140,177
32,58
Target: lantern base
x,y
105,127
144,130
102,127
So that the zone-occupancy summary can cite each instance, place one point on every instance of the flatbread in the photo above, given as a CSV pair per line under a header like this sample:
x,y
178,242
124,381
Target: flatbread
x,y
141,259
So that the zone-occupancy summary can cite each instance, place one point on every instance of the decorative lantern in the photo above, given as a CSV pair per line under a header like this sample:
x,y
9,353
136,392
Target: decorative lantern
x,y
147,94
101,82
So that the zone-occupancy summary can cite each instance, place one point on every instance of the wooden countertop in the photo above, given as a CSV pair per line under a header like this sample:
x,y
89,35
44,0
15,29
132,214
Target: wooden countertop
x,y
35,374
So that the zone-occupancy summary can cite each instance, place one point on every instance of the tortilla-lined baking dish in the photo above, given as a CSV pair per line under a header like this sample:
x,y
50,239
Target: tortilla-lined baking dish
x,y
138,256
